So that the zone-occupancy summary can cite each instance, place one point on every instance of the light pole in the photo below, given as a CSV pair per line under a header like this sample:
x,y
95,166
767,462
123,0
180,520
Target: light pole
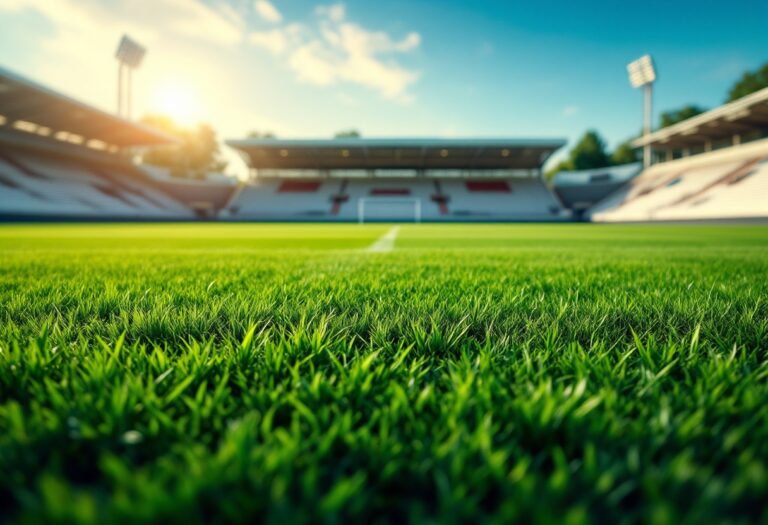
x,y
129,56
642,74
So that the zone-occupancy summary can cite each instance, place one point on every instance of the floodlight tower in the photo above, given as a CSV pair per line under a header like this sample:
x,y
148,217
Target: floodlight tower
x,y
129,56
642,74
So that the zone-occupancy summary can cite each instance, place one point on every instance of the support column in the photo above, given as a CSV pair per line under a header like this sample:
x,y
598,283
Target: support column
x,y
129,94
119,88
647,121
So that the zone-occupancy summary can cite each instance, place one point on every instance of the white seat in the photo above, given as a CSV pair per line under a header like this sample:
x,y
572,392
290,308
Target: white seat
x,y
692,189
263,199
47,186
529,199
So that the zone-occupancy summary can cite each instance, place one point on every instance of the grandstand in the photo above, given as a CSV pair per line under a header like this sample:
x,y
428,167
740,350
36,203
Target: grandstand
x,y
62,159
396,179
581,189
712,166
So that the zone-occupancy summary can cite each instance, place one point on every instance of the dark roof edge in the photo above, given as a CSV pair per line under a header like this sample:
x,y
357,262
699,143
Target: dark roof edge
x,y
553,143
15,77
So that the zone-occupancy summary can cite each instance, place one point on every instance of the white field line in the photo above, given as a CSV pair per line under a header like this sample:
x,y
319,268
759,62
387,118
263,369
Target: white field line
x,y
385,243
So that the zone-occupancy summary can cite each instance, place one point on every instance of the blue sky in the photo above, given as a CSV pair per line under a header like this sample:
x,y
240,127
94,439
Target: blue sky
x,y
391,68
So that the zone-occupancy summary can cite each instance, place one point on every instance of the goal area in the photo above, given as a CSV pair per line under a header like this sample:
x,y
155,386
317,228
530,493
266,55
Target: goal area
x,y
388,209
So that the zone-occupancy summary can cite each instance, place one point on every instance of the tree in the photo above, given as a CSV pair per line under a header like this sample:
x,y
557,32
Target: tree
x,y
196,154
347,134
678,115
624,154
254,134
749,82
589,152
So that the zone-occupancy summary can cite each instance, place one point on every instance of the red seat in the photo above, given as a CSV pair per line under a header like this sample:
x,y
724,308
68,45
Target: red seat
x,y
299,186
493,186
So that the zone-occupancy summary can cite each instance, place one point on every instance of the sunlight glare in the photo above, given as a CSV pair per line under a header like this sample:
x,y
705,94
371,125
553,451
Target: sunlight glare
x,y
178,102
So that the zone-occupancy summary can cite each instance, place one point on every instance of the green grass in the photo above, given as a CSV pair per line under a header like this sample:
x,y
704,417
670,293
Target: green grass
x,y
477,373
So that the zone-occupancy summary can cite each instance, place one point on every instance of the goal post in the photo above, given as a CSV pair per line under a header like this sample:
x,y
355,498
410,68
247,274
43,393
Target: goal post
x,y
388,209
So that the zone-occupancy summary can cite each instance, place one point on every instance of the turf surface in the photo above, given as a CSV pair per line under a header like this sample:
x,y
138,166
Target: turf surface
x,y
280,373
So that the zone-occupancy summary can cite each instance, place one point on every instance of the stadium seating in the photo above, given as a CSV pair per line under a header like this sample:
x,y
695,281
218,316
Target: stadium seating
x,y
38,185
729,183
582,189
63,159
509,199
205,197
393,198
390,198
280,199
743,196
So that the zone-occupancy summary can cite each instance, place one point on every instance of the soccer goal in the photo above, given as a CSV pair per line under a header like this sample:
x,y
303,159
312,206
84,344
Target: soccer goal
x,y
388,209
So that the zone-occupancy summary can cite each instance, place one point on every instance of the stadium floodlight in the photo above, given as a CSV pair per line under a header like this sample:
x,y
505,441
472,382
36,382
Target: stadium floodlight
x,y
642,74
129,52
641,71
129,56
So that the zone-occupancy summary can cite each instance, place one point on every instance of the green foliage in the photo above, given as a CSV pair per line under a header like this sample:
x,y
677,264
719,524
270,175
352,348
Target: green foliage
x,y
667,118
347,134
197,153
589,152
624,154
477,373
749,82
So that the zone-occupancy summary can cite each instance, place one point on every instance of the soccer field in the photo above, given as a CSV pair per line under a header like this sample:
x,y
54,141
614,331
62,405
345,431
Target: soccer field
x,y
217,373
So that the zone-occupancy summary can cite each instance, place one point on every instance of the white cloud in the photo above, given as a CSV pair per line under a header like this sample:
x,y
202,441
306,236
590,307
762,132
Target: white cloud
x,y
313,64
347,99
267,11
193,19
275,41
570,111
334,12
335,50
278,40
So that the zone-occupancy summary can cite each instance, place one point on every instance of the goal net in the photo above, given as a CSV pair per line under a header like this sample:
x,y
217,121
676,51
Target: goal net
x,y
381,209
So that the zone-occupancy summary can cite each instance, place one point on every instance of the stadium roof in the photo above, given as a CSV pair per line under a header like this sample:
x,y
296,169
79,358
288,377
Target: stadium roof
x,y
620,173
31,107
747,114
359,153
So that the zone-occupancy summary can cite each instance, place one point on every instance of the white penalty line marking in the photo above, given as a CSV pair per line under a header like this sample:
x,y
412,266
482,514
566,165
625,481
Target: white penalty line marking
x,y
385,243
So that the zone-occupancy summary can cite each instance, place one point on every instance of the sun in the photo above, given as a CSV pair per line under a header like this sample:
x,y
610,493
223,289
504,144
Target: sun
x,y
177,101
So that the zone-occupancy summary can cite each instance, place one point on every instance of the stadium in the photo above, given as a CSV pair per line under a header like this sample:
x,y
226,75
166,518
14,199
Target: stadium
x,y
431,328
65,160
62,159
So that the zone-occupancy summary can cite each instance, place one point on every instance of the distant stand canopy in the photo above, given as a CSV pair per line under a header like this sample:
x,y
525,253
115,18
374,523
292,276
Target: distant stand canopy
x,y
403,154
